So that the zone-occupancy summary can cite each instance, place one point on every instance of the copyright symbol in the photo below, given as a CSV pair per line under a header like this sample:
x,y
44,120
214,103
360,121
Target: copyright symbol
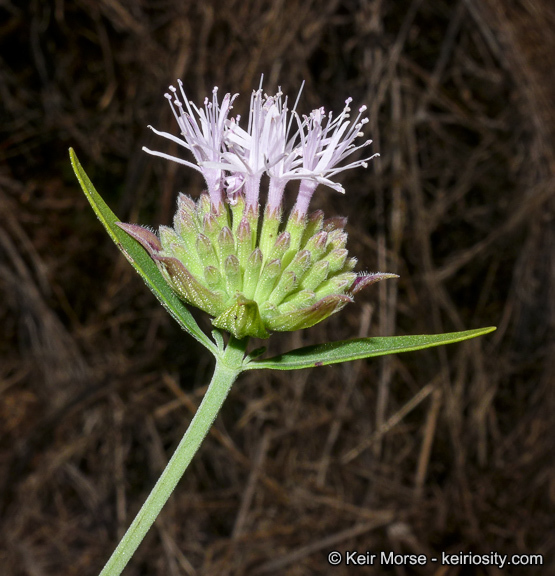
x,y
334,558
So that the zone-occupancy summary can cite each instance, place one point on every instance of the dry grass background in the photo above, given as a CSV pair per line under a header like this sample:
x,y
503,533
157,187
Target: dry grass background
x,y
445,450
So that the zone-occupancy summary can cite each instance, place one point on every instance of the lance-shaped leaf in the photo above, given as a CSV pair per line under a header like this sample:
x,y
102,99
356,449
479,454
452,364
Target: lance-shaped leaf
x,y
345,350
139,259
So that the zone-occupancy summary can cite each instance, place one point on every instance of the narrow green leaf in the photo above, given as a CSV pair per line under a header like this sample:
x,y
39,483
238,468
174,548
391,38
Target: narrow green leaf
x,y
345,350
139,259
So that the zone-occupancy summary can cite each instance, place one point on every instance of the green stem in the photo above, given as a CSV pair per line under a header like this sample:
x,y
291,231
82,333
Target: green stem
x,y
228,367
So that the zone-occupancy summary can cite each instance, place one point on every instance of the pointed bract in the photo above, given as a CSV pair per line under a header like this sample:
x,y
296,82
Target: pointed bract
x,y
307,317
144,236
242,319
364,280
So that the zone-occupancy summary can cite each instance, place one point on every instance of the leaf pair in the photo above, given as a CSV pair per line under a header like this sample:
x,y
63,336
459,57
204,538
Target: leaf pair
x,y
307,357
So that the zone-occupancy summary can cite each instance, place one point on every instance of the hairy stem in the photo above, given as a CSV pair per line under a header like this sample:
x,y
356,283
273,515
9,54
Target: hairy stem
x,y
228,367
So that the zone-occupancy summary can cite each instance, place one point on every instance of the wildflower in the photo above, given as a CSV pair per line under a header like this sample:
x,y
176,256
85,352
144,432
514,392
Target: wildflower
x,y
290,275
203,133
263,147
325,143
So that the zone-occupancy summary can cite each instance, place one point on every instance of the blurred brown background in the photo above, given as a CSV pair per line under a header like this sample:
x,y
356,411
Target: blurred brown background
x,y
445,450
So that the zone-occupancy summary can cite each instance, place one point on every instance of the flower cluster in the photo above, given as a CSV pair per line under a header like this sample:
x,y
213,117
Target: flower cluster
x,y
251,272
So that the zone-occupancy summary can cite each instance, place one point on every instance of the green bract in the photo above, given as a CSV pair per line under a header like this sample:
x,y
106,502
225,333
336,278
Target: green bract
x,y
287,280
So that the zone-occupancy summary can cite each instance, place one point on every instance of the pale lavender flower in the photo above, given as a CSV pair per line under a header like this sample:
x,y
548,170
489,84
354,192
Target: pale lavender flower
x,y
203,134
234,187
233,159
324,144
246,155
283,157
263,147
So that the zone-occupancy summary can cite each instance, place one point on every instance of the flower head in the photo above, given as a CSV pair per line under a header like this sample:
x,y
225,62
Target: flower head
x,y
203,134
325,143
285,276
263,147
